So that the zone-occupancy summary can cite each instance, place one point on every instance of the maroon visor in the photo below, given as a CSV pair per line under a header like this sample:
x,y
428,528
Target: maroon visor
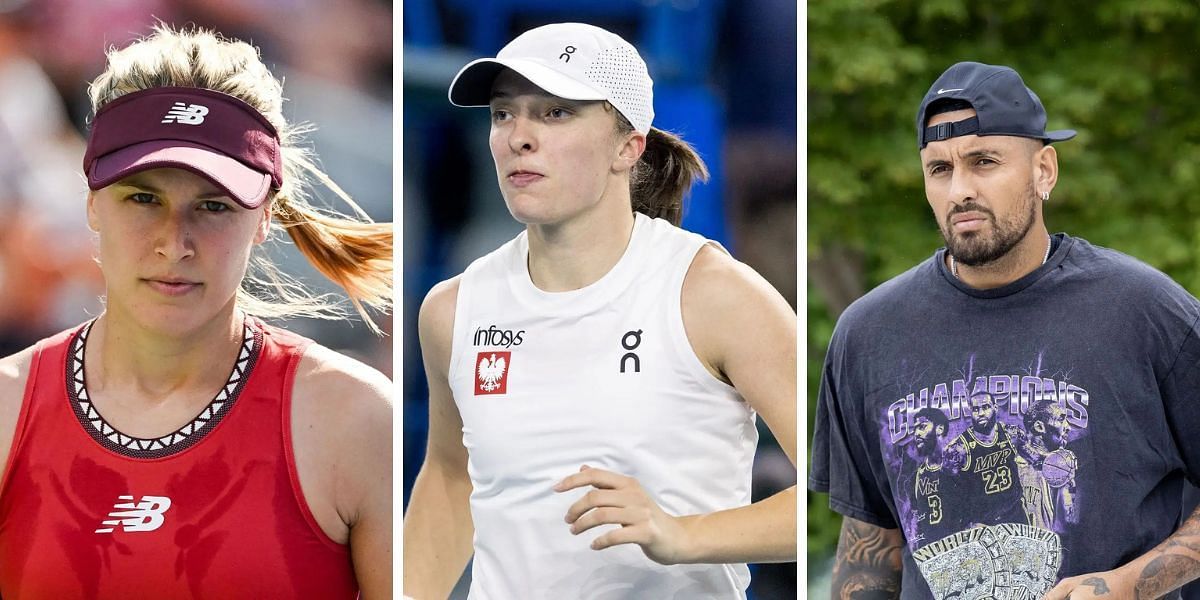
x,y
209,133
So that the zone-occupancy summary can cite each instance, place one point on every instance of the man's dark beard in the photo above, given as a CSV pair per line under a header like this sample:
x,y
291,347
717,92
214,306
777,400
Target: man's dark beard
x,y
974,249
928,450
1054,440
984,427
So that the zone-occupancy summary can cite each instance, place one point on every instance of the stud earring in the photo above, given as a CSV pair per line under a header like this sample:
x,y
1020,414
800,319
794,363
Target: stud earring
x,y
1045,196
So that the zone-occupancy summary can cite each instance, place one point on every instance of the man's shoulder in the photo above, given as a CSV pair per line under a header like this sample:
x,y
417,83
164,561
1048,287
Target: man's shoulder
x,y
882,302
1121,274
1110,262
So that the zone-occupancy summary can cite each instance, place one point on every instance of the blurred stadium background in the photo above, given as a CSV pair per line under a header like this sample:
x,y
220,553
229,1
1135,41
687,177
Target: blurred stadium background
x,y
724,78
1123,73
335,57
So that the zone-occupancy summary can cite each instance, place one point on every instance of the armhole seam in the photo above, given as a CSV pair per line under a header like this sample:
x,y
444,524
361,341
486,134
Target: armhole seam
x,y
457,328
23,415
295,355
691,361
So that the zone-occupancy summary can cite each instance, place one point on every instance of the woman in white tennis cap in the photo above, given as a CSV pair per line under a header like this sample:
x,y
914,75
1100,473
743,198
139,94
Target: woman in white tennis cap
x,y
177,446
594,382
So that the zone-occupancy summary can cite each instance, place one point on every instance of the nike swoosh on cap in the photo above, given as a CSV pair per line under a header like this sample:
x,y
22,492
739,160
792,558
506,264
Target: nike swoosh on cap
x,y
940,92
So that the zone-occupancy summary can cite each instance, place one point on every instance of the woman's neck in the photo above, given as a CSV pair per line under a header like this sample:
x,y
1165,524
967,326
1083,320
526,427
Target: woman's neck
x,y
152,366
576,253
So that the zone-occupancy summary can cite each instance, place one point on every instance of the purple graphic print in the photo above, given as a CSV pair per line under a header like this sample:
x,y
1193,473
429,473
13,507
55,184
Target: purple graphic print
x,y
982,469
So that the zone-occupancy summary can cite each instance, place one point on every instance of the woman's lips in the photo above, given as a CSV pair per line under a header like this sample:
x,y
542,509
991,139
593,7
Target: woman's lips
x,y
172,288
524,178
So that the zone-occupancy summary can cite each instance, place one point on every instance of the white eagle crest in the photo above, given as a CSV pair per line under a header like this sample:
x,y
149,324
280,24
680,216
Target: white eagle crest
x,y
491,372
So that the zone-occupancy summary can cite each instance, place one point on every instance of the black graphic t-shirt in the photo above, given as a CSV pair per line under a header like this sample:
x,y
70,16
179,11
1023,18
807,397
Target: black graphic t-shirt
x,y
1019,435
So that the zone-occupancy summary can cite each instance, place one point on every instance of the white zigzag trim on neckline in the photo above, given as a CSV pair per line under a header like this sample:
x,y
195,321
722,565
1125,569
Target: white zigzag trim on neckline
x,y
102,431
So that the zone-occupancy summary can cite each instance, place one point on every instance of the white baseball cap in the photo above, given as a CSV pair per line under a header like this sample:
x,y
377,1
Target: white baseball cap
x,y
575,61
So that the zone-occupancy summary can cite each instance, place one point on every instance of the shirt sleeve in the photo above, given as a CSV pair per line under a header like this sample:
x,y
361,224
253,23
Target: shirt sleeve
x,y
1181,401
841,462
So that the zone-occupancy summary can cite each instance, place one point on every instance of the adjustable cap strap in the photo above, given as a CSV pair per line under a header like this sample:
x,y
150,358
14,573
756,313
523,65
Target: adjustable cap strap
x,y
945,131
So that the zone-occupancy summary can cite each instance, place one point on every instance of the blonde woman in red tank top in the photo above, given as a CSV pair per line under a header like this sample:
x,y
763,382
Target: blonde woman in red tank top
x,y
177,446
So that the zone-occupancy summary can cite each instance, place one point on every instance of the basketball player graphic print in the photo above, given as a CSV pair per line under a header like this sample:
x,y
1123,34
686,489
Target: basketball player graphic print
x,y
1047,467
930,426
987,483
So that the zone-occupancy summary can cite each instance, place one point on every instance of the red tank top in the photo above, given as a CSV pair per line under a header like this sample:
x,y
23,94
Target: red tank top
x,y
213,510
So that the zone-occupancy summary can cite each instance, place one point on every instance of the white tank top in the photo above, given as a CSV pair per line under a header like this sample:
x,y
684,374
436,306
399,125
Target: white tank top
x,y
603,376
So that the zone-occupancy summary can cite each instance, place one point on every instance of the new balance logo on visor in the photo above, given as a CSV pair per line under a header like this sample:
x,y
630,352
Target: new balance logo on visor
x,y
187,114
146,515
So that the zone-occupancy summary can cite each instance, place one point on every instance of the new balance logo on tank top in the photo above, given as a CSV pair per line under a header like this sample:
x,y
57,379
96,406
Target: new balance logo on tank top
x,y
211,510
603,376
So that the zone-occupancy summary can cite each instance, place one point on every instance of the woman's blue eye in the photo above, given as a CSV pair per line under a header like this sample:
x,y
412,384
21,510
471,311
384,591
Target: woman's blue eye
x,y
142,198
214,206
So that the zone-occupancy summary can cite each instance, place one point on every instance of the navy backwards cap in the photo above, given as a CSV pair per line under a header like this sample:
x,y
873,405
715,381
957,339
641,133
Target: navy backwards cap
x,y
1003,105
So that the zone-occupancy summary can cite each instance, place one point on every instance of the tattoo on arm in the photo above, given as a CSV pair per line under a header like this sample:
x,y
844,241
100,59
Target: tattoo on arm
x,y
1163,574
1098,585
868,565
1177,563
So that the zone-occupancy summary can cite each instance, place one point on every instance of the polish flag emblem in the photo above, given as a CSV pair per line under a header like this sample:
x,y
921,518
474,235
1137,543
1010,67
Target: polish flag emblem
x,y
491,373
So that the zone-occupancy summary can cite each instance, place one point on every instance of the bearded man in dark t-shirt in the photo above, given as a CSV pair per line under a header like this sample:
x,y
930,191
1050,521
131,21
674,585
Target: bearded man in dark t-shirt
x,y
1068,377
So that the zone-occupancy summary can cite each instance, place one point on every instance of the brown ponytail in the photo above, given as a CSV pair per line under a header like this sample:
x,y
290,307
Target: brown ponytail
x,y
664,174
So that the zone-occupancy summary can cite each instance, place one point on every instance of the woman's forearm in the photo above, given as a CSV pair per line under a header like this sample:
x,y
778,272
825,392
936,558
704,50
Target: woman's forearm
x,y
762,532
437,534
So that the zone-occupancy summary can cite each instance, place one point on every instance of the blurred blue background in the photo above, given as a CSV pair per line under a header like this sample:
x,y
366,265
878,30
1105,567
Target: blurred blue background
x,y
724,79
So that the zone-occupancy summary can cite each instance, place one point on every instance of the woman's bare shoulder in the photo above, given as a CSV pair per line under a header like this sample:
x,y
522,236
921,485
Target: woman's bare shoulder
x,y
325,373
14,372
342,436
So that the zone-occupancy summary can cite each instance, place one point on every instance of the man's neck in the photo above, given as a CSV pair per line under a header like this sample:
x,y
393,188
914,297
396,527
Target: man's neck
x,y
987,436
1022,260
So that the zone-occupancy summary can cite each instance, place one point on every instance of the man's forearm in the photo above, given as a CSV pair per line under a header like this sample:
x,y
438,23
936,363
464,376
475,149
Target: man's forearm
x,y
761,532
437,535
868,563
1169,565
1154,574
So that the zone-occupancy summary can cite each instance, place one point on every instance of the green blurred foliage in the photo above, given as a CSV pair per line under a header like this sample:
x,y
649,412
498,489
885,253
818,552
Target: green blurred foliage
x,y
1123,73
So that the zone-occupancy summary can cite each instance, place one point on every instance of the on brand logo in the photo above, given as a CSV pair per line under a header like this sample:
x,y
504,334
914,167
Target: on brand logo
x,y
631,346
566,55
187,114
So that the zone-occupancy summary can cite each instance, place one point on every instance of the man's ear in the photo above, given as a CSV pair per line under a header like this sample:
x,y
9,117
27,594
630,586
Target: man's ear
x,y
1045,170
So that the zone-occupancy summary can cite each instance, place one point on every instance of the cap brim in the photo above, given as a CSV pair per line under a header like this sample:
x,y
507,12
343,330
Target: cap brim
x,y
243,184
473,84
1061,135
